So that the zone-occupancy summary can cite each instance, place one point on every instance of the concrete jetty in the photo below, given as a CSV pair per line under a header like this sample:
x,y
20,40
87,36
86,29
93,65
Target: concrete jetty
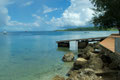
x,y
82,43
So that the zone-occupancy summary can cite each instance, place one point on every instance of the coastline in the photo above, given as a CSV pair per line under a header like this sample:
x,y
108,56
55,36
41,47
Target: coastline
x,y
94,63
88,29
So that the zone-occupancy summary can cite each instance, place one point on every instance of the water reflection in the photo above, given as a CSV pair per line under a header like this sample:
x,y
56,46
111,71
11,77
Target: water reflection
x,y
63,49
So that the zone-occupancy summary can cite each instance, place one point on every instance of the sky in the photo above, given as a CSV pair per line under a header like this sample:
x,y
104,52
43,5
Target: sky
x,y
44,15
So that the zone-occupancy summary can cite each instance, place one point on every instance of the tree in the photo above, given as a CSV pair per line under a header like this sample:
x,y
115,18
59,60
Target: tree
x,y
107,13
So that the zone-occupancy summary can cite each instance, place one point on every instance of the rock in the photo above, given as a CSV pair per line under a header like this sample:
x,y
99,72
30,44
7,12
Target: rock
x,y
58,78
88,74
68,57
72,73
81,54
95,63
115,65
80,63
91,45
85,74
81,60
89,49
106,60
97,46
84,55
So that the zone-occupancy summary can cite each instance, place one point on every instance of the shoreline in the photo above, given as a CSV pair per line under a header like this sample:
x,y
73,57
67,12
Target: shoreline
x,y
102,64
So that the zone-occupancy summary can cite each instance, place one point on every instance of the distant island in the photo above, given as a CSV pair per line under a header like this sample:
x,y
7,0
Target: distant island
x,y
88,29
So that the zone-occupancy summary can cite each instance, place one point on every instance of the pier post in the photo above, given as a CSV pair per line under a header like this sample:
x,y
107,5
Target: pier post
x,y
73,45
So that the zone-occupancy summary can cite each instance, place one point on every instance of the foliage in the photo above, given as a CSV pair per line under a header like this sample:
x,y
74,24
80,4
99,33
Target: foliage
x,y
107,13
88,29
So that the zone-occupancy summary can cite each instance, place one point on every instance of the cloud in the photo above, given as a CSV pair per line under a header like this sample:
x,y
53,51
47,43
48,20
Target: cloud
x,y
46,9
37,23
28,3
77,14
4,17
36,16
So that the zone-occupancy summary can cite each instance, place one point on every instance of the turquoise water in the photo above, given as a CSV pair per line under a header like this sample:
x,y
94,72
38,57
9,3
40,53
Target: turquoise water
x,y
34,55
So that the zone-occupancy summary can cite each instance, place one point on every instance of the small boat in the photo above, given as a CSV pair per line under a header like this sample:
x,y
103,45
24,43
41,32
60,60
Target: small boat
x,y
86,32
4,32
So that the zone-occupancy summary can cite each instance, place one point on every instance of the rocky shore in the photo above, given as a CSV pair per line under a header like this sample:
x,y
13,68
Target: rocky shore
x,y
92,63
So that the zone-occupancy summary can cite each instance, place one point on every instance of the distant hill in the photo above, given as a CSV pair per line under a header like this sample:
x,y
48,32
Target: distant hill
x,y
88,29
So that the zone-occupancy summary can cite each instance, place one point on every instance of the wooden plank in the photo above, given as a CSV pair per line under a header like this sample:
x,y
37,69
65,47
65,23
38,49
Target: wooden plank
x,y
91,39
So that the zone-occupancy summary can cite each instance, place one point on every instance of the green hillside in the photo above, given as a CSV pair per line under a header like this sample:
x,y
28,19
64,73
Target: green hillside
x,y
88,29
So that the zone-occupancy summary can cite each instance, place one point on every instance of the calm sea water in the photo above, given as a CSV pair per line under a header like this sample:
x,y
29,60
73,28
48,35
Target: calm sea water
x,y
34,55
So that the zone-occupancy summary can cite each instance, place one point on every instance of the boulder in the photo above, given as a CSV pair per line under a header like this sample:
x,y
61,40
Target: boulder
x,y
115,65
88,74
81,60
80,63
83,55
68,57
86,55
89,49
95,63
58,78
97,46
85,74
106,60
91,45
72,73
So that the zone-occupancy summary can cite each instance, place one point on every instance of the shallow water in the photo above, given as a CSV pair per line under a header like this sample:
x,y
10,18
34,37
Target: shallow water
x,y
34,55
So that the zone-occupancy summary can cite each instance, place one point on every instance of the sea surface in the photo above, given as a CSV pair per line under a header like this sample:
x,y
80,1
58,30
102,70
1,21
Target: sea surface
x,y
35,55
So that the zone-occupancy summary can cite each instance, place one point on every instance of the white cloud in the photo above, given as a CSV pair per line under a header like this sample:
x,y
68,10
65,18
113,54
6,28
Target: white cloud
x,y
37,23
77,14
7,23
16,23
46,9
36,16
28,3
4,17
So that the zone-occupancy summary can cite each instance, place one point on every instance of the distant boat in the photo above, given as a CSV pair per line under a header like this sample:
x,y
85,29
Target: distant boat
x,y
4,32
86,32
